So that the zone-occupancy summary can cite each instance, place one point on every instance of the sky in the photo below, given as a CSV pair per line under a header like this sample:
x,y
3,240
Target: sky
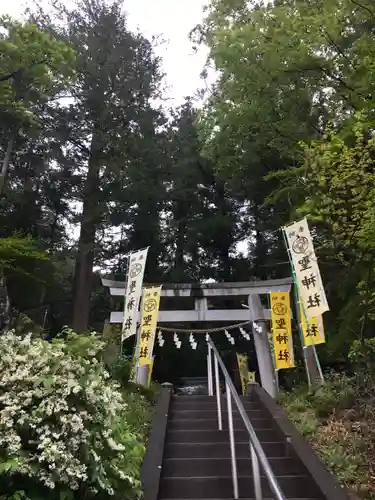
x,y
173,20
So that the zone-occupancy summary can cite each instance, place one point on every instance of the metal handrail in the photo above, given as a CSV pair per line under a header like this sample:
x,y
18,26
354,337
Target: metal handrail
x,y
257,452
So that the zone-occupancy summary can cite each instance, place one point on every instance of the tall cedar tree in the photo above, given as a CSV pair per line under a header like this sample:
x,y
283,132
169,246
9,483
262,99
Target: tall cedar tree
x,y
116,76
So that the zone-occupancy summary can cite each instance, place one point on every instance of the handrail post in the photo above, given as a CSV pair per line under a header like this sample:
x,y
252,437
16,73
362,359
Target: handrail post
x,y
209,371
218,395
256,474
232,443
257,453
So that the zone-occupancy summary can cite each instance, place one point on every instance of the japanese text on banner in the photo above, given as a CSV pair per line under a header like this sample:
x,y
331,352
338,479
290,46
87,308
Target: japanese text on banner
x,y
314,334
282,330
149,311
309,282
243,371
137,262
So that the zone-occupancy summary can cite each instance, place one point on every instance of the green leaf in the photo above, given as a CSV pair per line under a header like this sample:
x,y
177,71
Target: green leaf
x,y
66,494
9,465
48,383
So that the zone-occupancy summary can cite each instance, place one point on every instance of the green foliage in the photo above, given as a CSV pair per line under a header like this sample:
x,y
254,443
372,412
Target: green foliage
x,y
348,467
362,355
339,193
150,393
14,250
143,167
336,394
82,346
289,125
34,67
338,178
23,325
117,76
120,369
202,212
336,432
93,445
139,418
303,416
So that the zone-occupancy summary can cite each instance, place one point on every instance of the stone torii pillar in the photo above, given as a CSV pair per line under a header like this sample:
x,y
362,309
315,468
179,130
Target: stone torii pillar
x,y
262,348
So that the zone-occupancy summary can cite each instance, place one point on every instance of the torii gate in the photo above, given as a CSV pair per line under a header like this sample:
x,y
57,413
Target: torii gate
x,y
201,313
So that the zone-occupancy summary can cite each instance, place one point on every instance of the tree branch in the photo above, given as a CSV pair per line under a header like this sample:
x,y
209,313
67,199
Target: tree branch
x,y
363,7
15,73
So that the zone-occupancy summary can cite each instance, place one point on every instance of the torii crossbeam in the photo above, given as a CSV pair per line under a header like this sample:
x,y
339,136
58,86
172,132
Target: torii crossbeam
x,y
201,313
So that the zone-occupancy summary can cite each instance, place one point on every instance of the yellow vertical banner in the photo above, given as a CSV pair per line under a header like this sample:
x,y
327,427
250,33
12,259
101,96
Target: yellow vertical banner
x,y
149,320
282,330
243,371
312,329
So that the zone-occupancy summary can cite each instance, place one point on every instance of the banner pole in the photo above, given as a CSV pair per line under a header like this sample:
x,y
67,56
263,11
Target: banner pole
x,y
296,295
299,326
126,282
136,352
318,363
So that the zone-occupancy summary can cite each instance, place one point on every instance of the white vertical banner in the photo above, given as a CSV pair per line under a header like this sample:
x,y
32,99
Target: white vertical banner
x,y
136,270
309,281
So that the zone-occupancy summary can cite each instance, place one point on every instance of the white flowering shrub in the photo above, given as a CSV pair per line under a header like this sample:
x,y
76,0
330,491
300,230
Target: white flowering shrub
x,y
64,431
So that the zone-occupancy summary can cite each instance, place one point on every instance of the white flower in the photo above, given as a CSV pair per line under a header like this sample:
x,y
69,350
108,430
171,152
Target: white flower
x,y
115,446
68,408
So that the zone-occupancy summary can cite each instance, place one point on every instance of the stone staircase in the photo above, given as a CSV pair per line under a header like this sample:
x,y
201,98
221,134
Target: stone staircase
x,y
196,461
189,458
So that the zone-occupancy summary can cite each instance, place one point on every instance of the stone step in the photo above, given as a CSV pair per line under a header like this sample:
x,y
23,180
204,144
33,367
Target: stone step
x,y
189,424
219,486
198,467
221,449
212,436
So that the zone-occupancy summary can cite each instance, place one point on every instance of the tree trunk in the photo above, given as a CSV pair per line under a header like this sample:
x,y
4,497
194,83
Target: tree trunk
x,y
260,250
226,239
6,162
146,234
85,257
179,265
225,266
